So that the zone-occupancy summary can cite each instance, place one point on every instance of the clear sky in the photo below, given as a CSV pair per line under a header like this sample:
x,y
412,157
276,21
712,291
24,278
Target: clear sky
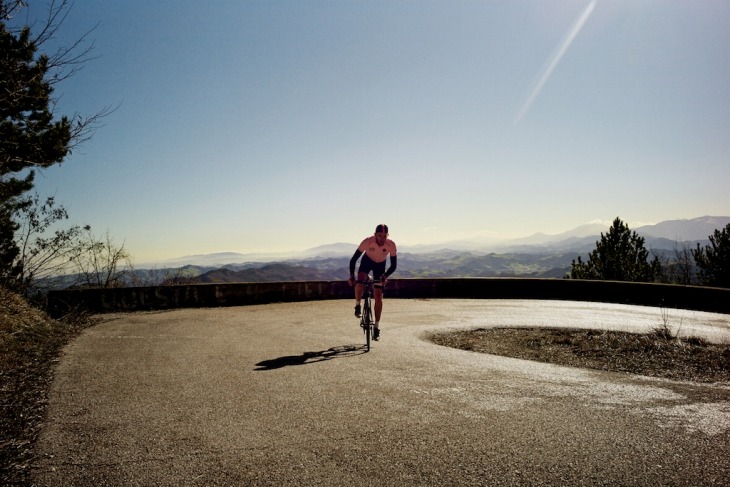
x,y
270,125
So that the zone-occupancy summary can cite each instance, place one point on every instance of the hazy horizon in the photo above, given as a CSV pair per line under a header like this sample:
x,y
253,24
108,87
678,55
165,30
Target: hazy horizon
x,y
271,126
591,229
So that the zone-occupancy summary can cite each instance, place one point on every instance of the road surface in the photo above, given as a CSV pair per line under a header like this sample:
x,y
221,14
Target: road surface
x,y
284,394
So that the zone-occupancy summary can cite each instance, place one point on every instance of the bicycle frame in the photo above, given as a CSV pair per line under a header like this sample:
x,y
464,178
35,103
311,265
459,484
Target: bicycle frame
x,y
366,318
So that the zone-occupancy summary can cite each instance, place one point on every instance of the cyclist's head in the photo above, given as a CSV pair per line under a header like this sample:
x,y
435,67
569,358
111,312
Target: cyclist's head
x,y
381,233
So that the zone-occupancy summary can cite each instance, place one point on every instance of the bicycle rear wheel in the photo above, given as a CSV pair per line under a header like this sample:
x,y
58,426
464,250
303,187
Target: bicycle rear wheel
x,y
367,324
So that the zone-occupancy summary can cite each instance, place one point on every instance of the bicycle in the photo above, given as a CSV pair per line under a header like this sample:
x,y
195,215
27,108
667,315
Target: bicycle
x,y
366,317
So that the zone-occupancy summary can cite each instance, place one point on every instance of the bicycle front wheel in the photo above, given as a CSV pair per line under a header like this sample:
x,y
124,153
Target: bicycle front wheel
x,y
368,324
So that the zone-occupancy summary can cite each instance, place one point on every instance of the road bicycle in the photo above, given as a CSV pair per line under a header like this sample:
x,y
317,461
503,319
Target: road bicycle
x,y
366,317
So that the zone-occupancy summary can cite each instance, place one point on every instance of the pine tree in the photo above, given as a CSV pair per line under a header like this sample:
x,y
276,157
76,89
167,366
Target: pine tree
x,y
713,261
31,136
619,255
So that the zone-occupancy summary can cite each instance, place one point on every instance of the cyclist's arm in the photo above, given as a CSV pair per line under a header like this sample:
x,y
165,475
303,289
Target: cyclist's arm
x,y
393,265
353,262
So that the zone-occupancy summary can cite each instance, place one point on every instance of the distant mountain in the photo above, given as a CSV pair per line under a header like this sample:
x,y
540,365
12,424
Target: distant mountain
x,y
539,255
571,244
438,264
468,264
275,272
580,240
685,230
330,250
662,236
219,259
587,230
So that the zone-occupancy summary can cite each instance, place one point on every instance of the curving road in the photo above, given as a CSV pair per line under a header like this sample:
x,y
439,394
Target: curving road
x,y
285,395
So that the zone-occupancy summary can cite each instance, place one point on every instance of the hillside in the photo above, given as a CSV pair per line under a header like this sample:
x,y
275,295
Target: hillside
x,y
438,264
274,272
29,343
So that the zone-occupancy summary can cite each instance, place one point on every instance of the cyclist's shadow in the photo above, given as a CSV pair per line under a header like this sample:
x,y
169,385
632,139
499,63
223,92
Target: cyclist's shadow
x,y
342,351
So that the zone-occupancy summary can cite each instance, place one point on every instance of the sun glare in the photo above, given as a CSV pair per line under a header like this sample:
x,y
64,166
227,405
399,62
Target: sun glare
x,y
554,60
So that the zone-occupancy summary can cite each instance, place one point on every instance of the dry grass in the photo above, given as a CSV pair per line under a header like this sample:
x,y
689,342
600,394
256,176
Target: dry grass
x,y
655,354
30,343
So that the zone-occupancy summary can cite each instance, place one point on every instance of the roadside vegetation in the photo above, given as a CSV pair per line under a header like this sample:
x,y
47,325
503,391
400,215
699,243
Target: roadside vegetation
x,y
30,343
655,354
620,255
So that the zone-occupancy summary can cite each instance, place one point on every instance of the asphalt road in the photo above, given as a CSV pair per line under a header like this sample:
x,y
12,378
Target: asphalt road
x,y
285,395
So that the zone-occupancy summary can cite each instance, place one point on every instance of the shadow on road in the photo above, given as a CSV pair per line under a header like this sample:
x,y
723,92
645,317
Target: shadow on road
x,y
312,357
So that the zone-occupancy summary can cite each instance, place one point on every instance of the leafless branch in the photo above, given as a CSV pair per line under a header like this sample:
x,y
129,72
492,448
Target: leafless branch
x,y
8,11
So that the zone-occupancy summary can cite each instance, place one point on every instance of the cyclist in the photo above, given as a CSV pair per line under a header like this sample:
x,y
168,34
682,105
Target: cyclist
x,y
376,249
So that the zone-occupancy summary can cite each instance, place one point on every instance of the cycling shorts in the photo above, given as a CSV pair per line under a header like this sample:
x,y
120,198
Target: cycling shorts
x,y
367,265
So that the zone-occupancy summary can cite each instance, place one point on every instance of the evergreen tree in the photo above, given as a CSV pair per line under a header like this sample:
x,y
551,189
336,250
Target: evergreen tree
x,y
31,136
713,261
619,255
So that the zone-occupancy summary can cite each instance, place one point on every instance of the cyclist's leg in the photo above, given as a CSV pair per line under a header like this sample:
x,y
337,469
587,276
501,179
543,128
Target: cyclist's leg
x,y
378,295
359,288
378,298
362,275
378,271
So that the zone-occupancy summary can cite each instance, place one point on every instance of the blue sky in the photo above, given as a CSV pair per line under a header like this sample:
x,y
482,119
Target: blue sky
x,y
269,125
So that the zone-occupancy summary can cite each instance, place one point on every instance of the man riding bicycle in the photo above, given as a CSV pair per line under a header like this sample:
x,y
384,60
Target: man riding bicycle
x,y
376,249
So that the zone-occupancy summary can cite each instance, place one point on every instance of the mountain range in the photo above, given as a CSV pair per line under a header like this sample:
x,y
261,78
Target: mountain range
x,y
539,255
661,236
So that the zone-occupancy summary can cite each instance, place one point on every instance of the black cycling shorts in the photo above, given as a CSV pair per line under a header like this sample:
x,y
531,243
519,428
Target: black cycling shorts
x,y
367,265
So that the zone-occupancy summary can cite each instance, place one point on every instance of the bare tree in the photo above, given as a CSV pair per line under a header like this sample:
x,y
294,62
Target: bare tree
x,y
100,262
43,257
684,264
8,9
677,266
174,277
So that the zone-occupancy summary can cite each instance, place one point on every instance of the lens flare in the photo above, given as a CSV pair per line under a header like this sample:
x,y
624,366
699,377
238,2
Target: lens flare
x,y
554,60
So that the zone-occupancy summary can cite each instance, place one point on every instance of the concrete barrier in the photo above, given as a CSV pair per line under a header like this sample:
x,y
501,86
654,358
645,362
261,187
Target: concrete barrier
x,y
240,294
